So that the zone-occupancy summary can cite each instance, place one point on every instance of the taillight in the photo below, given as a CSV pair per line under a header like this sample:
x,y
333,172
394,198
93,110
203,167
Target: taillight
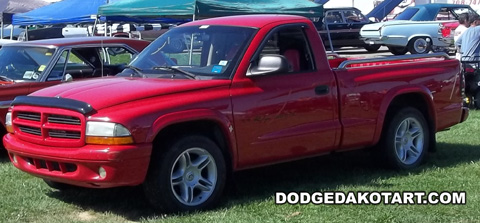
x,y
447,28
469,70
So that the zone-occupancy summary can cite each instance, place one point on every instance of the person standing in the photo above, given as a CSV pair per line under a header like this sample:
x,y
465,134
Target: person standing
x,y
464,24
469,41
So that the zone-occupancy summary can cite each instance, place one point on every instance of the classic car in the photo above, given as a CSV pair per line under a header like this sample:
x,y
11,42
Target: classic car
x,y
418,29
344,26
29,66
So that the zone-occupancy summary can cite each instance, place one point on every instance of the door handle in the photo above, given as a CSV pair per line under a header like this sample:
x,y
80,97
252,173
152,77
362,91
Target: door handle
x,y
321,90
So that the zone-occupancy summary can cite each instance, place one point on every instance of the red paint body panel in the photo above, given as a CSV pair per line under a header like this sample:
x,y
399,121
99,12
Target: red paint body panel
x,y
265,119
125,165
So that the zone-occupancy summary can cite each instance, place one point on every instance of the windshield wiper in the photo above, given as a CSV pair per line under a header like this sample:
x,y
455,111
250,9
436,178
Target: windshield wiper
x,y
176,69
137,71
5,78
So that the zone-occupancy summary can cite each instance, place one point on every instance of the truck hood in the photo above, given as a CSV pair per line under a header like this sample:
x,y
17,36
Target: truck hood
x,y
107,92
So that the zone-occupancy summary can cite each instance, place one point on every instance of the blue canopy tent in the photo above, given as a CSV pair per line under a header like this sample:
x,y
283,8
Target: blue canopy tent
x,y
66,11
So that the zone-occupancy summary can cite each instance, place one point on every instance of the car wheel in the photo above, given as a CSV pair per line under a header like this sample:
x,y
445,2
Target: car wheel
x,y
420,45
189,175
476,100
372,48
397,50
405,139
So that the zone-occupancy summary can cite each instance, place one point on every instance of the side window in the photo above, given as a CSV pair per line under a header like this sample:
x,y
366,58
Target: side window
x,y
115,55
57,71
445,14
353,16
291,43
333,17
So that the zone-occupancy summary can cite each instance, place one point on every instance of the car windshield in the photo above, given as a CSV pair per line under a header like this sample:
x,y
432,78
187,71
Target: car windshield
x,y
20,63
202,52
407,14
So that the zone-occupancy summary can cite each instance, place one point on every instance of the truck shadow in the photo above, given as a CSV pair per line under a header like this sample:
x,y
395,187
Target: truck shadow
x,y
314,174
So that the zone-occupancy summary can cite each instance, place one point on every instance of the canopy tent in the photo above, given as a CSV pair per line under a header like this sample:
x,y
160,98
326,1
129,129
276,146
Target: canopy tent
x,y
187,9
66,11
10,7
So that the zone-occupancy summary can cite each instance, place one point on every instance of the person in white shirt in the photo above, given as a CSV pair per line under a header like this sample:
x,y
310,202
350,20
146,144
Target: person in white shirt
x,y
464,24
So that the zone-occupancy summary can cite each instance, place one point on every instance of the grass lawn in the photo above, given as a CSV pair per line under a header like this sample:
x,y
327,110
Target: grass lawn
x,y
454,167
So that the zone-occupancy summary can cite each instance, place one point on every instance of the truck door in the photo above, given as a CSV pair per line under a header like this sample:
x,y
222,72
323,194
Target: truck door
x,y
287,115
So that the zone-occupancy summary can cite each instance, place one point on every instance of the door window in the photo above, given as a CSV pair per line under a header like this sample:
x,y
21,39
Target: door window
x,y
291,43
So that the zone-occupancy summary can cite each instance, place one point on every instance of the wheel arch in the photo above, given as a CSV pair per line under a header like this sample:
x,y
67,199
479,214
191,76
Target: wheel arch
x,y
418,97
410,38
204,122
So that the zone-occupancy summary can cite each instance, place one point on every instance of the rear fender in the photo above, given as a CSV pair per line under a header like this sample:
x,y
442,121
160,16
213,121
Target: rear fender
x,y
401,90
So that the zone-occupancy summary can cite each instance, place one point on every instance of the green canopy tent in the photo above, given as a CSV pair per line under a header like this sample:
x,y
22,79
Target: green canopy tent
x,y
195,9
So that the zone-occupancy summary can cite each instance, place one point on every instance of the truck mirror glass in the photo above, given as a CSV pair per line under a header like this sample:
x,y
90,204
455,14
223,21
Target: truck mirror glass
x,y
269,64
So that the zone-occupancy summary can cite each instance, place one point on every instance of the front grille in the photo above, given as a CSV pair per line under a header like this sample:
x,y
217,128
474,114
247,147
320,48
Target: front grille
x,y
64,134
51,165
62,119
49,126
31,130
32,116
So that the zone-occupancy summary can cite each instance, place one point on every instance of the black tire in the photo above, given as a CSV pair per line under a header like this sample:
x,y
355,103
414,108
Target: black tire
x,y
476,100
397,50
372,48
204,185
59,186
407,151
420,45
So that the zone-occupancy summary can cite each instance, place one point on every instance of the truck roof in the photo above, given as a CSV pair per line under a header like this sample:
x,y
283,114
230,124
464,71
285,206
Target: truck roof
x,y
257,21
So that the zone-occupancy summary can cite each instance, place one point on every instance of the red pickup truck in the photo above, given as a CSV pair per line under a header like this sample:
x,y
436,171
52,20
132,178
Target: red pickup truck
x,y
256,90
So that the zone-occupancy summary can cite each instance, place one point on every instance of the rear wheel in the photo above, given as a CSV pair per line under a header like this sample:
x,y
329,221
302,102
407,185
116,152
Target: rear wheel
x,y
476,100
372,48
405,140
189,175
420,45
397,50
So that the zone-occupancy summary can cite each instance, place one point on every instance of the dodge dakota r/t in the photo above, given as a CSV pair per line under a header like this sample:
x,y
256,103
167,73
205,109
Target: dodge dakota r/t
x,y
259,90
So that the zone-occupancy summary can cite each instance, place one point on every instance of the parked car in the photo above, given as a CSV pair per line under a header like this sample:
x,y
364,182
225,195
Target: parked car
x,y
418,29
29,66
344,26
181,122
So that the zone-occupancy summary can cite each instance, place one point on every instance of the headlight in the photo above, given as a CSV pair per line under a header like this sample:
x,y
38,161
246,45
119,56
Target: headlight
x,y
8,122
107,133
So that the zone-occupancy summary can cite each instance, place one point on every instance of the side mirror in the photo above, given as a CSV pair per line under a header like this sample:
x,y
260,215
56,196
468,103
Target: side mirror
x,y
269,64
67,78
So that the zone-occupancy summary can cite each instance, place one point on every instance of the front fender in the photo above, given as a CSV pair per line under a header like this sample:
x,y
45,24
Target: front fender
x,y
196,115
395,92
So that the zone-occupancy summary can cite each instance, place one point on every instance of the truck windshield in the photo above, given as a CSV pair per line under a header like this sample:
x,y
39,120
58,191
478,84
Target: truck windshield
x,y
20,63
407,14
204,51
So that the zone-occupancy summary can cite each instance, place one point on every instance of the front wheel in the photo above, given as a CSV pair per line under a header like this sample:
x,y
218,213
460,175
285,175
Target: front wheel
x,y
372,48
405,139
189,175
397,50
